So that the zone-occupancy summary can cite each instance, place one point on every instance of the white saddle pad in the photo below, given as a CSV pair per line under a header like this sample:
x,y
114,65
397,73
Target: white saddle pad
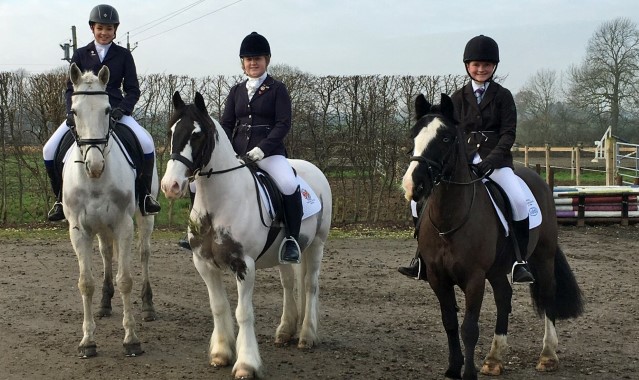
x,y
310,202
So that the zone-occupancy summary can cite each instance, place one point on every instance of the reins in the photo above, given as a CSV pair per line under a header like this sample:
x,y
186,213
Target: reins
x,y
197,171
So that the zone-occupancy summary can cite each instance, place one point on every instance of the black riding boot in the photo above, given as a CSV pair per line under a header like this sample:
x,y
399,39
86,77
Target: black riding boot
x,y
289,249
184,242
148,204
56,213
413,269
520,270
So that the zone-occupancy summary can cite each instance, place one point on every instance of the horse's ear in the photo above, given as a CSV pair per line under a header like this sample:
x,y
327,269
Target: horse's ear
x,y
74,74
199,102
103,75
422,106
178,103
447,108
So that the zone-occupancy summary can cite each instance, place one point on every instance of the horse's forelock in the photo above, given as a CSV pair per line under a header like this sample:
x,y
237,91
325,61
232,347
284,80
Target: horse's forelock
x,y
88,82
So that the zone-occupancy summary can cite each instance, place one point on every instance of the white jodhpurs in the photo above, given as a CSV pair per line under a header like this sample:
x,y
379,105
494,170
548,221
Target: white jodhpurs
x,y
507,179
281,172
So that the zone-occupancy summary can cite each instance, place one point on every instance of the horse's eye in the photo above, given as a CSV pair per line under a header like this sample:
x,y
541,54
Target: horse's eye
x,y
446,139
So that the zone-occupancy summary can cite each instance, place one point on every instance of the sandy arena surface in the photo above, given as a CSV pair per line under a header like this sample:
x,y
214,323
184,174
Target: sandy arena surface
x,y
375,323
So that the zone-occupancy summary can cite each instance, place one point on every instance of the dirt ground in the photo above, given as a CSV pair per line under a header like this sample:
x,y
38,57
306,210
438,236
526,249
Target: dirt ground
x,y
375,323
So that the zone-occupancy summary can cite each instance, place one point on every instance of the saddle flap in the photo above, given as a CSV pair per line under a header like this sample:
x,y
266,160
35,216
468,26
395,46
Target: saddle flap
x,y
502,205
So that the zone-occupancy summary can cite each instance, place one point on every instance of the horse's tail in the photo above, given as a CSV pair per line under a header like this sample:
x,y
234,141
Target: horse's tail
x,y
569,302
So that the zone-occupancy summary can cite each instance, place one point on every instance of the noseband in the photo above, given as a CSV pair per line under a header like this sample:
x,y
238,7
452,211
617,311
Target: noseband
x,y
92,143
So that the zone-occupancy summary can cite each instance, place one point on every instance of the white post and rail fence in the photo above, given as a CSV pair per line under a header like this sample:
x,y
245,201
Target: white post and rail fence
x,y
614,201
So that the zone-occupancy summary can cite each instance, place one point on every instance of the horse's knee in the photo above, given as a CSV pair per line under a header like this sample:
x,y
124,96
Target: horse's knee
x,y
125,284
86,285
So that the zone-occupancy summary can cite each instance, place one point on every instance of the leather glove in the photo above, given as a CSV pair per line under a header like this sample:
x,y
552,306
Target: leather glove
x,y
70,120
255,154
116,114
485,166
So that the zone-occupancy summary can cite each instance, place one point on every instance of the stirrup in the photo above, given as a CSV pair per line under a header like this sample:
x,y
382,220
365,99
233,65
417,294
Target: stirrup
x,y
415,262
282,250
143,209
512,273
55,215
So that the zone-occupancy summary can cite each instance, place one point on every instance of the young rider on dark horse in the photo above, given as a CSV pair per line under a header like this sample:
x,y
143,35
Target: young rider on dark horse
x,y
104,21
486,112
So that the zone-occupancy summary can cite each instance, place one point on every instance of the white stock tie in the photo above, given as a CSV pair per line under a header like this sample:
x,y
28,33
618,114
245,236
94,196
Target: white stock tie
x,y
251,87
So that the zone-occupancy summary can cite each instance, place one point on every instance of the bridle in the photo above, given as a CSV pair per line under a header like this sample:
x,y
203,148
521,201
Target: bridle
x,y
92,143
195,166
437,175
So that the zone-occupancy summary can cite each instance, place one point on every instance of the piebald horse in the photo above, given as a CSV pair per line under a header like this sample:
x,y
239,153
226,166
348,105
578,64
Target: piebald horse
x,y
99,199
462,242
229,229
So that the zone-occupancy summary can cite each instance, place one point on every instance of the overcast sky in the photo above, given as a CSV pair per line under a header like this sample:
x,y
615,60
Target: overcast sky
x,y
322,37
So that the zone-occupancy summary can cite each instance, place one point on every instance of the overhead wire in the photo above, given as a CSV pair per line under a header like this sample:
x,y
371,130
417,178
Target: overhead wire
x,y
175,13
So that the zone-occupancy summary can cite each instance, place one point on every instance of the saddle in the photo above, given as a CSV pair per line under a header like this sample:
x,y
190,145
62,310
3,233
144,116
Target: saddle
x,y
265,184
125,139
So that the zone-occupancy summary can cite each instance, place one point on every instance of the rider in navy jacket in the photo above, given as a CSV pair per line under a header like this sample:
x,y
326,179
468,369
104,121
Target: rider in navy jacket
x,y
104,21
257,117
122,75
265,119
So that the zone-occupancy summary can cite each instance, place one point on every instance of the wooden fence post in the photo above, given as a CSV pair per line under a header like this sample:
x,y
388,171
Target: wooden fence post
x,y
611,157
547,163
578,164
526,156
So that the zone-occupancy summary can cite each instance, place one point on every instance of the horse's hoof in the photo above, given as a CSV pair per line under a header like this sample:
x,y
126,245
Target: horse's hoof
x,y
103,312
305,344
88,351
453,374
133,349
219,361
149,316
547,365
283,340
492,368
244,374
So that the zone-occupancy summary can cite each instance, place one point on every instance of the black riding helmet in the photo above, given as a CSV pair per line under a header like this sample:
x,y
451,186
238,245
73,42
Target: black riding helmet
x,y
104,14
481,48
254,45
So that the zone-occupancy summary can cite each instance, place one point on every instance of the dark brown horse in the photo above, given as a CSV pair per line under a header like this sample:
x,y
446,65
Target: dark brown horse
x,y
463,243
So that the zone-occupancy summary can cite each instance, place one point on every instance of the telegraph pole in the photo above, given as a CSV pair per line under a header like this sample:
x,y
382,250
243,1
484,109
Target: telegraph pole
x,y
66,47
128,45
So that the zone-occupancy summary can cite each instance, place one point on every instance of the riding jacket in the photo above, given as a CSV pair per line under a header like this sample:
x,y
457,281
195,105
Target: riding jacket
x,y
489,126
123,75
262,122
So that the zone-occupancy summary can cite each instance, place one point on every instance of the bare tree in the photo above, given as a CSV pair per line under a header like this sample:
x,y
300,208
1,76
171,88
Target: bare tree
x,y
606,82
535,104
